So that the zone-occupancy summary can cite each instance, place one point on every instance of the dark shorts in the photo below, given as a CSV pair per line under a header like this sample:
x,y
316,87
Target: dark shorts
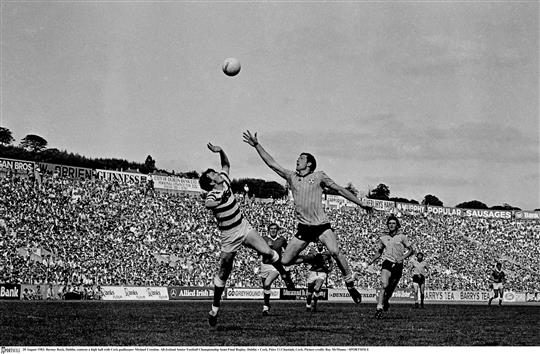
x,y
395,269
418,279
311,233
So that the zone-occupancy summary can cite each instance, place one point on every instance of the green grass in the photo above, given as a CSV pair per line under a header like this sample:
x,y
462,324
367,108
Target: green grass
x,y
183,323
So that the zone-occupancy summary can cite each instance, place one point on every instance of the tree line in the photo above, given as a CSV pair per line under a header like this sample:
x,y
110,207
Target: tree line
x,y
34,147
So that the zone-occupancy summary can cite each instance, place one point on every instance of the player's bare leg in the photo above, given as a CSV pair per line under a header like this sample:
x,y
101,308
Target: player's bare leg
x,y
267,285
290,255
501,296
256,242
309,295
330,241
226,260
385,281
416,290
422,289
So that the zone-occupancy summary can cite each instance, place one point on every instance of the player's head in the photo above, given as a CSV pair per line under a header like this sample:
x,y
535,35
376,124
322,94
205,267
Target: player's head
x,y
498,265
209,179
393,223
273,229
306,160
320,246
420,256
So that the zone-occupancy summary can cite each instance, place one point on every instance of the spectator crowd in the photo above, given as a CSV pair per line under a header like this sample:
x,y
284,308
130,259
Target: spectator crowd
x,y
89,233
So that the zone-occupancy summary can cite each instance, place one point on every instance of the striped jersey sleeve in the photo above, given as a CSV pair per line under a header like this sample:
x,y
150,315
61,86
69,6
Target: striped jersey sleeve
x,y
227,212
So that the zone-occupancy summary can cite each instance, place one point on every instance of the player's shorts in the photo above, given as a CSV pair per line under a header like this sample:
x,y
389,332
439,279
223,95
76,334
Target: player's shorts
x,y
267,271
395,269
497,286
232,239
314,276
311,233
419,279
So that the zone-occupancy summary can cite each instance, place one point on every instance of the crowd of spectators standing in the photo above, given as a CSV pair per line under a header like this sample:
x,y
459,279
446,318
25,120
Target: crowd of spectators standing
x,y
85,233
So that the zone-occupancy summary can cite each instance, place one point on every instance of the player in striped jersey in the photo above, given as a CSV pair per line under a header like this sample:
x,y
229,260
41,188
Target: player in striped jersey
x,y
234,228
497,278
307,186
419,278
392,250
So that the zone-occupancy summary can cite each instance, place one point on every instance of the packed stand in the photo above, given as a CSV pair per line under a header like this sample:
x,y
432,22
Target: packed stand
x,y
93,232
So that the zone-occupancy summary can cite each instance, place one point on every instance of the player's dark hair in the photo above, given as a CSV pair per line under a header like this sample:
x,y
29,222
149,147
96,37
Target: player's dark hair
x,y
499,264
273,224
393,217
311,159
205,182
420,254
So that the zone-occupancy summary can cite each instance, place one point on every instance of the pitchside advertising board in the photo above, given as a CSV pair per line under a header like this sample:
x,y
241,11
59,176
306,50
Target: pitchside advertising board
x,y
342,295
134,293
300,294
10,291
189,293
466,296
249,294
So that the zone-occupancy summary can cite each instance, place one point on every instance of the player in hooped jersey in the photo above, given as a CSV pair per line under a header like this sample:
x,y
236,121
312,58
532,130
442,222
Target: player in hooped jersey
x,y
307,186
497,278
419,278
392,250
269,273
235,230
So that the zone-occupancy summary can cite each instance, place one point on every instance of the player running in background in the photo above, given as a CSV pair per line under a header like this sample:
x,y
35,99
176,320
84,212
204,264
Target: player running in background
x,y
234,228
269,273
498,279
392,250
321,267
307,186
419,278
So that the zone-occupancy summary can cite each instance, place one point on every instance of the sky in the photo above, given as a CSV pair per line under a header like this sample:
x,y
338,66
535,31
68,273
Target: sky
x,y
430,97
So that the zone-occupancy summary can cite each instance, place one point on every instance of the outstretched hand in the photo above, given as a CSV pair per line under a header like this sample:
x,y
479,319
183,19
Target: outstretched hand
x,y
214,148
250,139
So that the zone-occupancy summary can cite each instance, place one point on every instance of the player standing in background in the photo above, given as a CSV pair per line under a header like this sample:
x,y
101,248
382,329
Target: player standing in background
x,y
321,267
234,228
269,273
307,186
392,250
419,278
497,278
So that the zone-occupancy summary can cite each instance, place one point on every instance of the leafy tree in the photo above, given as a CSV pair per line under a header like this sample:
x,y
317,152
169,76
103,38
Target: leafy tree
x,y
381,192
351,188
403,200
505,206
6,138
33,143
149,165
432,200
472,204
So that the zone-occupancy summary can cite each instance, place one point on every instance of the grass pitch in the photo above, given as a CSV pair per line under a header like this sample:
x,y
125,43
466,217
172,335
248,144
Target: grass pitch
x,y
184,324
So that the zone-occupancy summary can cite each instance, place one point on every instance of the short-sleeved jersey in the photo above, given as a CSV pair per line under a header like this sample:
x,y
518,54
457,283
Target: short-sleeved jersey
x,y
322,263
278,244
227,212
498,276
419,267
393,247
307,193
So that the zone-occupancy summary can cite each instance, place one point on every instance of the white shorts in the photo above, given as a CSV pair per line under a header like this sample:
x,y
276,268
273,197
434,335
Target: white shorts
x,y
232,239
497,286
314,276
268,270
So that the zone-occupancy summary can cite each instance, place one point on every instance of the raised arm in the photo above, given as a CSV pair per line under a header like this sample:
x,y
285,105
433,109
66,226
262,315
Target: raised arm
x,y
269,160
225,164
345,193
